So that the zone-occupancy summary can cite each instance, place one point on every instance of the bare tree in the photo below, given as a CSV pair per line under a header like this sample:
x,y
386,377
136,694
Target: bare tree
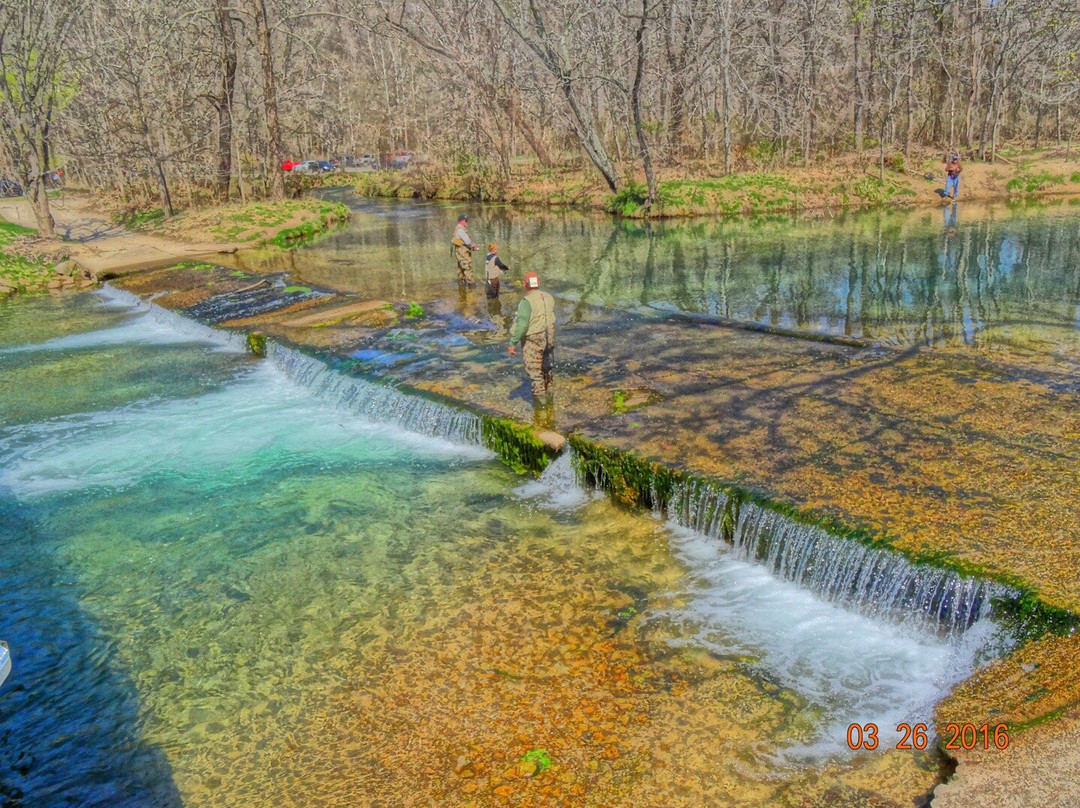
x,y
35,85
550,48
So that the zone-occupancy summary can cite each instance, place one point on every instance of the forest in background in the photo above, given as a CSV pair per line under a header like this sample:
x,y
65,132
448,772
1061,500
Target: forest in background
x,y
199,101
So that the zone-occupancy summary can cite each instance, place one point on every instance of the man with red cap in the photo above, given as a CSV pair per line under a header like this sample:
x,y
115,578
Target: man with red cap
x,y
534,328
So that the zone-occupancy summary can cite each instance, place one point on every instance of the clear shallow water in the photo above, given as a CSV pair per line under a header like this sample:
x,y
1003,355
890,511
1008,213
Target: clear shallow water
x,y
220,586
964,275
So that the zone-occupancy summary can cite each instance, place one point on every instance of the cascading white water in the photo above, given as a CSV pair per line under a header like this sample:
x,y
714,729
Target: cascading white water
x,y
699,507
148,325
378,402
852,668
153,325
876,582
258,413
558,487
854,658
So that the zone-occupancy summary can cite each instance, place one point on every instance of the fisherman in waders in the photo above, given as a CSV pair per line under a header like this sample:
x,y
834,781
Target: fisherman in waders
x,y
534,328
952,175
493,271
463,250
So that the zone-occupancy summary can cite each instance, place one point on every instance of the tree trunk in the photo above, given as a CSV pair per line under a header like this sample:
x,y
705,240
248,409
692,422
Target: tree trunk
x,y
725,79
513,109
225,167
635,104
163,190
273,132
860,109
909,98
42,215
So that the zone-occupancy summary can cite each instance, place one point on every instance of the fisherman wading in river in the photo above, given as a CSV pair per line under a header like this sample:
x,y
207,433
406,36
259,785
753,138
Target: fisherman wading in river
x,y
463,250
534,328
493,271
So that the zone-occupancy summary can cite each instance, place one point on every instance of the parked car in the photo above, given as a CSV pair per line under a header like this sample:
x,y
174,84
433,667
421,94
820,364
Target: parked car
x,y
10,188
326,166
288,165
401,159
368,161
311,167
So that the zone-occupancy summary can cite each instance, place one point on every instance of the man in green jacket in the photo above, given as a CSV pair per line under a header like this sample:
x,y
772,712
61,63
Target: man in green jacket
x,y
534,328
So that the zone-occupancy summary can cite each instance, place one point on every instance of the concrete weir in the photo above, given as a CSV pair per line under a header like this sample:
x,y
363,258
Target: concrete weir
x,y
415,362
841,565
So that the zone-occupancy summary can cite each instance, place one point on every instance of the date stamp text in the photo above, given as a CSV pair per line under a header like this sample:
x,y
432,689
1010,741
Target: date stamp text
x,y
955,737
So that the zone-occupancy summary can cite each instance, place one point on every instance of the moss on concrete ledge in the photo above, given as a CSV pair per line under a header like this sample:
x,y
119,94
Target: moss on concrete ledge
x,y
516,444
256,342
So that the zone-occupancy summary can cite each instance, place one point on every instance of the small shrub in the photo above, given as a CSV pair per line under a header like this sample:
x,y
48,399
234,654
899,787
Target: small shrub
x,y
540,757
628,201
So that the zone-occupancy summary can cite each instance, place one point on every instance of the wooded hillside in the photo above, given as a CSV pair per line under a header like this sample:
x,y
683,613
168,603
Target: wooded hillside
x,y
204,98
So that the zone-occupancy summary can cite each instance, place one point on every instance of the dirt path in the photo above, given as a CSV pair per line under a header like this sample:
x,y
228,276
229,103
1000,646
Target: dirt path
x,y
104,247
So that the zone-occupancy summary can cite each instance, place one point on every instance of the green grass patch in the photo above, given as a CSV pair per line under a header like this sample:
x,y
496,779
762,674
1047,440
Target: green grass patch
x,y
539,757
329,215
143,218
877,191
24,274
1026,183
9,232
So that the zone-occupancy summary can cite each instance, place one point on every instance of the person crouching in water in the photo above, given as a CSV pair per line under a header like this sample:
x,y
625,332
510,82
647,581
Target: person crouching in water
x,y
493,271
534,328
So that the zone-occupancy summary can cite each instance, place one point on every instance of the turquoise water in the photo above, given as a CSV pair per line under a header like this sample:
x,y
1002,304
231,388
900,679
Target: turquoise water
x,y
224,586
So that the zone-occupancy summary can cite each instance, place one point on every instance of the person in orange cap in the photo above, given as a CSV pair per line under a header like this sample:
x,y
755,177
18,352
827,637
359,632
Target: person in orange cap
x,y
534,329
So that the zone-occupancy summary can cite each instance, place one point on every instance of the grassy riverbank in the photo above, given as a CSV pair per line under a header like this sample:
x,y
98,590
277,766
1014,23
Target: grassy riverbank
x,y
846,183
254,224
19,273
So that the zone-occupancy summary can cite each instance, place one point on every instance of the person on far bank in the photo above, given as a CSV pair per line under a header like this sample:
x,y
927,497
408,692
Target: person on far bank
x,y
952,175
463,250
493,271
534,329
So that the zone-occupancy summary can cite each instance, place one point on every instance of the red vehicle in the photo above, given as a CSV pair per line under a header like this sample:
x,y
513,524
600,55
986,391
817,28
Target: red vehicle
x,y
288,165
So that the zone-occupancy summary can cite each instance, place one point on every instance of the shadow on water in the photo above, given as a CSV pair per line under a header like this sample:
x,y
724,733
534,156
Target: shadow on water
x,y
69,727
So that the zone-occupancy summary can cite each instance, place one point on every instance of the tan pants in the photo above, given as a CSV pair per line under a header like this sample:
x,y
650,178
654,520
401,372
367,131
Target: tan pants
x,y
464,264
539,357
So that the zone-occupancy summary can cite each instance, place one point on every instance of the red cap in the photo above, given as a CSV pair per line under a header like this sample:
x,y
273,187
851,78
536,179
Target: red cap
x,y
532,280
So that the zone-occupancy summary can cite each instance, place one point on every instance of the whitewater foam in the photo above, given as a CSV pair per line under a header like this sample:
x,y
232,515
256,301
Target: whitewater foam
x,y
148,324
